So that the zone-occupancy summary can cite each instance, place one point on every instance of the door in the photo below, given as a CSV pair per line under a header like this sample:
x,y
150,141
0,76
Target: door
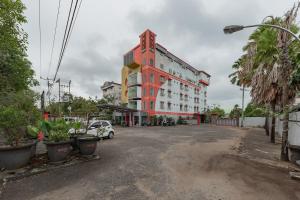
x,y
106,126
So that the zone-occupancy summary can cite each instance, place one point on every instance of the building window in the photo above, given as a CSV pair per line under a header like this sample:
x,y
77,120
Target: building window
x,y
144,61
162,79
186,88
151,78
162,105
161,66
169,93
181,107
186,97
186,108
151,92
145,106
169,82
181,96
151,62
169,105
162,92
181,86
151,105
145,92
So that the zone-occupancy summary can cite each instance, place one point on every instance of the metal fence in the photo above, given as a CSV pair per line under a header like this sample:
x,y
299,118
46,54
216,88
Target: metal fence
x,y
226,122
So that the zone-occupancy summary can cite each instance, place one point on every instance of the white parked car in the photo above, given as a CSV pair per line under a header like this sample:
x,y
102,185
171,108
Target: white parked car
x,y
108,130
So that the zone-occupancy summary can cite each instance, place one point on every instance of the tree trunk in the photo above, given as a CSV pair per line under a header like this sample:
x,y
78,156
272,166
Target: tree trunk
x,y
272,136
284,149
285,101
267,121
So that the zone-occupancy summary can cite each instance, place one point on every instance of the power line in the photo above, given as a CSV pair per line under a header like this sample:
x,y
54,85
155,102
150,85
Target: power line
x,y
63,39
40,31
76,16
54,38
67,38
65,42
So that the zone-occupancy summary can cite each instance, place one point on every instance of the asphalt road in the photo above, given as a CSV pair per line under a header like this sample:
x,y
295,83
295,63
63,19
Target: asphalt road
x,y
182,162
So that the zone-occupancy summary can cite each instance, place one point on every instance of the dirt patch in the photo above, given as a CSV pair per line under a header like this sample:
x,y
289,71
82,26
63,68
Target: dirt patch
x,y
216,171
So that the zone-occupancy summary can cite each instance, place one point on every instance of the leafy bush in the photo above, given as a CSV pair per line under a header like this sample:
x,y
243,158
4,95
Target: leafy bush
x,y
59,131
13,124
160,120
32,131
179,121
58,136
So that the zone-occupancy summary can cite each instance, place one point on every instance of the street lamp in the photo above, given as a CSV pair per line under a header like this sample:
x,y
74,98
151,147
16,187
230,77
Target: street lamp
x,y
234,28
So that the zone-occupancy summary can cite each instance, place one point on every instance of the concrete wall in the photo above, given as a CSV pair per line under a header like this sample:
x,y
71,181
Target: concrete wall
x,y
253,121
294,129
278,125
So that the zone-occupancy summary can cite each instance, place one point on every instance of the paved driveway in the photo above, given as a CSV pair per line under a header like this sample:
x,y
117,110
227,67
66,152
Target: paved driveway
x,y
182,162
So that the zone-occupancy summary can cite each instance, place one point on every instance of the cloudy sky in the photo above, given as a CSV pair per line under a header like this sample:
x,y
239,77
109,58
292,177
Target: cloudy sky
x,y
106,29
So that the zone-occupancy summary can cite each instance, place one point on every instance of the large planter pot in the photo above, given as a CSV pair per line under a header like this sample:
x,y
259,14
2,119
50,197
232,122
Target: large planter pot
x,y
33,149
87,144
74,141
15,157
58,151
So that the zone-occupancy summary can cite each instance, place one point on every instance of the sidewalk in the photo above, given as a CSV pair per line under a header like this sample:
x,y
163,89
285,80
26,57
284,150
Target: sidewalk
x,y
256,146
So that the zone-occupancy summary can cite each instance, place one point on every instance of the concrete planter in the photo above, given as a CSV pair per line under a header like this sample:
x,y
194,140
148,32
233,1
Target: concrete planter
x,y
58,151
87,144
16,156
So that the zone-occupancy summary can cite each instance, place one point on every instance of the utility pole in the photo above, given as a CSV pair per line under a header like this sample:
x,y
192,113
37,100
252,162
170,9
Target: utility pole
x,y
243,99
48,92
70,87
43,102
58,81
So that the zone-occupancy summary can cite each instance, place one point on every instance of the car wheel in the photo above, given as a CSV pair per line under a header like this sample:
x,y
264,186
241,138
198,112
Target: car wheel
x,y
111,135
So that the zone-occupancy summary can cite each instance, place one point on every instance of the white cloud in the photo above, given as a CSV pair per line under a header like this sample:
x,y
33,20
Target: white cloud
x,y
106,29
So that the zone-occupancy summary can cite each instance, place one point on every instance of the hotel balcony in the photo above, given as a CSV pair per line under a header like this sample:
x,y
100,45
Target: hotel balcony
x,y
134,79
134,93
129,60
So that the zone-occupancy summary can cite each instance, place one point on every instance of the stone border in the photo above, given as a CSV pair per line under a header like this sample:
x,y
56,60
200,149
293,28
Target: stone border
x,y
13,175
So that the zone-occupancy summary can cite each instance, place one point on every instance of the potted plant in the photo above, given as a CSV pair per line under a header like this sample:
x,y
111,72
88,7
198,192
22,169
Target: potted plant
x,y
58,141
16,150
32,133
43,127
76,130
88,143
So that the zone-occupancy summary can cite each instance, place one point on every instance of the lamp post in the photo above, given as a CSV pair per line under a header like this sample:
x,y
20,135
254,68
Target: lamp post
x,y
235,28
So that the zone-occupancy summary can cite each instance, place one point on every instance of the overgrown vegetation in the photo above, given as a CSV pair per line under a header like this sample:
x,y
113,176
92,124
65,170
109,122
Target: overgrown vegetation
x,y
17,101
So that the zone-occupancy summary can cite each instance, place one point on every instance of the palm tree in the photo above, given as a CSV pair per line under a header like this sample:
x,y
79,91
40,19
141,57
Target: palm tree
x,y
258,68
271,63
287,72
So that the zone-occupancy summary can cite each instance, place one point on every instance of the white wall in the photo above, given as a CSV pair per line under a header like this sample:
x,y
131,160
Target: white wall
x,y
278,125
253,121
294,129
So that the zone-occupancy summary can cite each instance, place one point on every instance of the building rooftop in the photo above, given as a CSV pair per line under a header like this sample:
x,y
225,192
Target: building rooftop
x,y
162,49
109,84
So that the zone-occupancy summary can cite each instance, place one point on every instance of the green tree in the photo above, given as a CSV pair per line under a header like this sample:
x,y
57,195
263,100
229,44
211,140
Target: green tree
x,y
217,110
15,69
253,110
236,112
17,101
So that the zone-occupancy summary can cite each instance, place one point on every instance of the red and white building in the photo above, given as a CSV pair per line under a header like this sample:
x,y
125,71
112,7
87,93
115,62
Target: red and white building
x,y
157,82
